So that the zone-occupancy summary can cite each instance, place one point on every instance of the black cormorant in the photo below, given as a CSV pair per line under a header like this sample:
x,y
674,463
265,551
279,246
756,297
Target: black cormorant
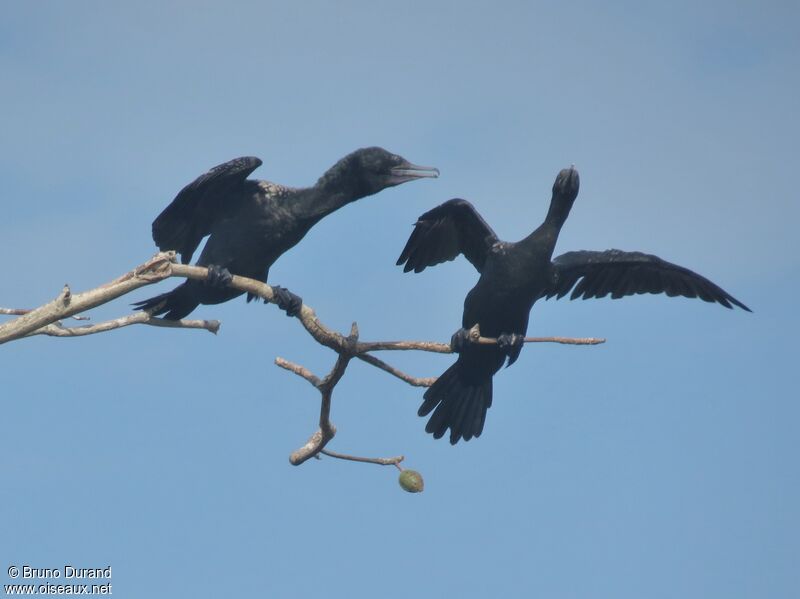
x,y
512,277
251,223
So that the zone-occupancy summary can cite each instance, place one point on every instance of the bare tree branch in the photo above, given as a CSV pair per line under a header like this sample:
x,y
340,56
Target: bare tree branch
x,y
327,430
66,304
429,346
45,320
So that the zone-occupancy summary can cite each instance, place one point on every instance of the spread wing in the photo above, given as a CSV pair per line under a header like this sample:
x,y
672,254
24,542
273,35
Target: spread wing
x,y
190,216
443,233
596,274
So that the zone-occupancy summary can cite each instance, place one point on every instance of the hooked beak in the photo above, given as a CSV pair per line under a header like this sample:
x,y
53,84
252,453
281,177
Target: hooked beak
x,y
410,172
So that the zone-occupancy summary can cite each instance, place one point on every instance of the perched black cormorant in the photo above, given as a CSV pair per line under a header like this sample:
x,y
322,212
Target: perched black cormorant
x,y
251,223
512,277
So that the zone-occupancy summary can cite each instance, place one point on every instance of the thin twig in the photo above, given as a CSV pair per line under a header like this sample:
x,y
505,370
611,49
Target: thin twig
x,y
380,461
411,380
21,311
444,348
301,371
566,340
58,330
474,336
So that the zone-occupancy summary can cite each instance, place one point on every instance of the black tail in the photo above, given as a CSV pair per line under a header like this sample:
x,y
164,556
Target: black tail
x,y
174,304
461,404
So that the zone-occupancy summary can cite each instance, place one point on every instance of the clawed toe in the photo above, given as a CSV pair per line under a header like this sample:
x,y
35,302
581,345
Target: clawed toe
x,y
218,276
459,340
511,344
509,340
287,301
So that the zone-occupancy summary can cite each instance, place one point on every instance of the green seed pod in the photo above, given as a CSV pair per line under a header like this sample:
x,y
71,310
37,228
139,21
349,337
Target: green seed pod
x,y
411,481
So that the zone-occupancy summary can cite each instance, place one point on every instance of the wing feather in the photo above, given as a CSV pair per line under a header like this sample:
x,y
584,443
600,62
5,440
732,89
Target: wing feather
x,y
189,217
596,274
443,233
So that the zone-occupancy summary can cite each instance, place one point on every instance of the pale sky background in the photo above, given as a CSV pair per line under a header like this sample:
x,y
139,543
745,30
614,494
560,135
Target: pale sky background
x,y
661,465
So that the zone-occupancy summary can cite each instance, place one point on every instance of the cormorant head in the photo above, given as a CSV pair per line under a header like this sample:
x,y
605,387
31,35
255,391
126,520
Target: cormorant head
x,y
369,170
567,184
565,190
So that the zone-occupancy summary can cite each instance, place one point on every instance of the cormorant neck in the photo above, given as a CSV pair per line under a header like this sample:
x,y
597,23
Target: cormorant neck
x,y
334,189
558,212
542,242
326,200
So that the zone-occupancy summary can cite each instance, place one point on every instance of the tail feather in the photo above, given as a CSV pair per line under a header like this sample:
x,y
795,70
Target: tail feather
x,y
457,403
458,411
474,419
174,304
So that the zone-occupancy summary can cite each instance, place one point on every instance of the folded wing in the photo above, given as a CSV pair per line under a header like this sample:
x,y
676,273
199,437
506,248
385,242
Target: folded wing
x,y
190,216
598,274
443,233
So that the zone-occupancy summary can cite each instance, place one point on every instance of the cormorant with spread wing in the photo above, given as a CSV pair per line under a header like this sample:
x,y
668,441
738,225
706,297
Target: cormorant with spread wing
x,y
512,277
251,223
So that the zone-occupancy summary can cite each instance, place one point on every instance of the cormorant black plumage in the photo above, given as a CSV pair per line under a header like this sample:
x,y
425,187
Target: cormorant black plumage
x,y
251,223
512,277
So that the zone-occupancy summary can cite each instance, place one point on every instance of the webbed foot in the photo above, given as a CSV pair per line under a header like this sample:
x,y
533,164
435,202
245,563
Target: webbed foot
x,y
287,301
218,276
459,340
511,344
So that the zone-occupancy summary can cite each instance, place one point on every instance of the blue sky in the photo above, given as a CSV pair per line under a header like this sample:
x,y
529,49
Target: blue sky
x,y
662,464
